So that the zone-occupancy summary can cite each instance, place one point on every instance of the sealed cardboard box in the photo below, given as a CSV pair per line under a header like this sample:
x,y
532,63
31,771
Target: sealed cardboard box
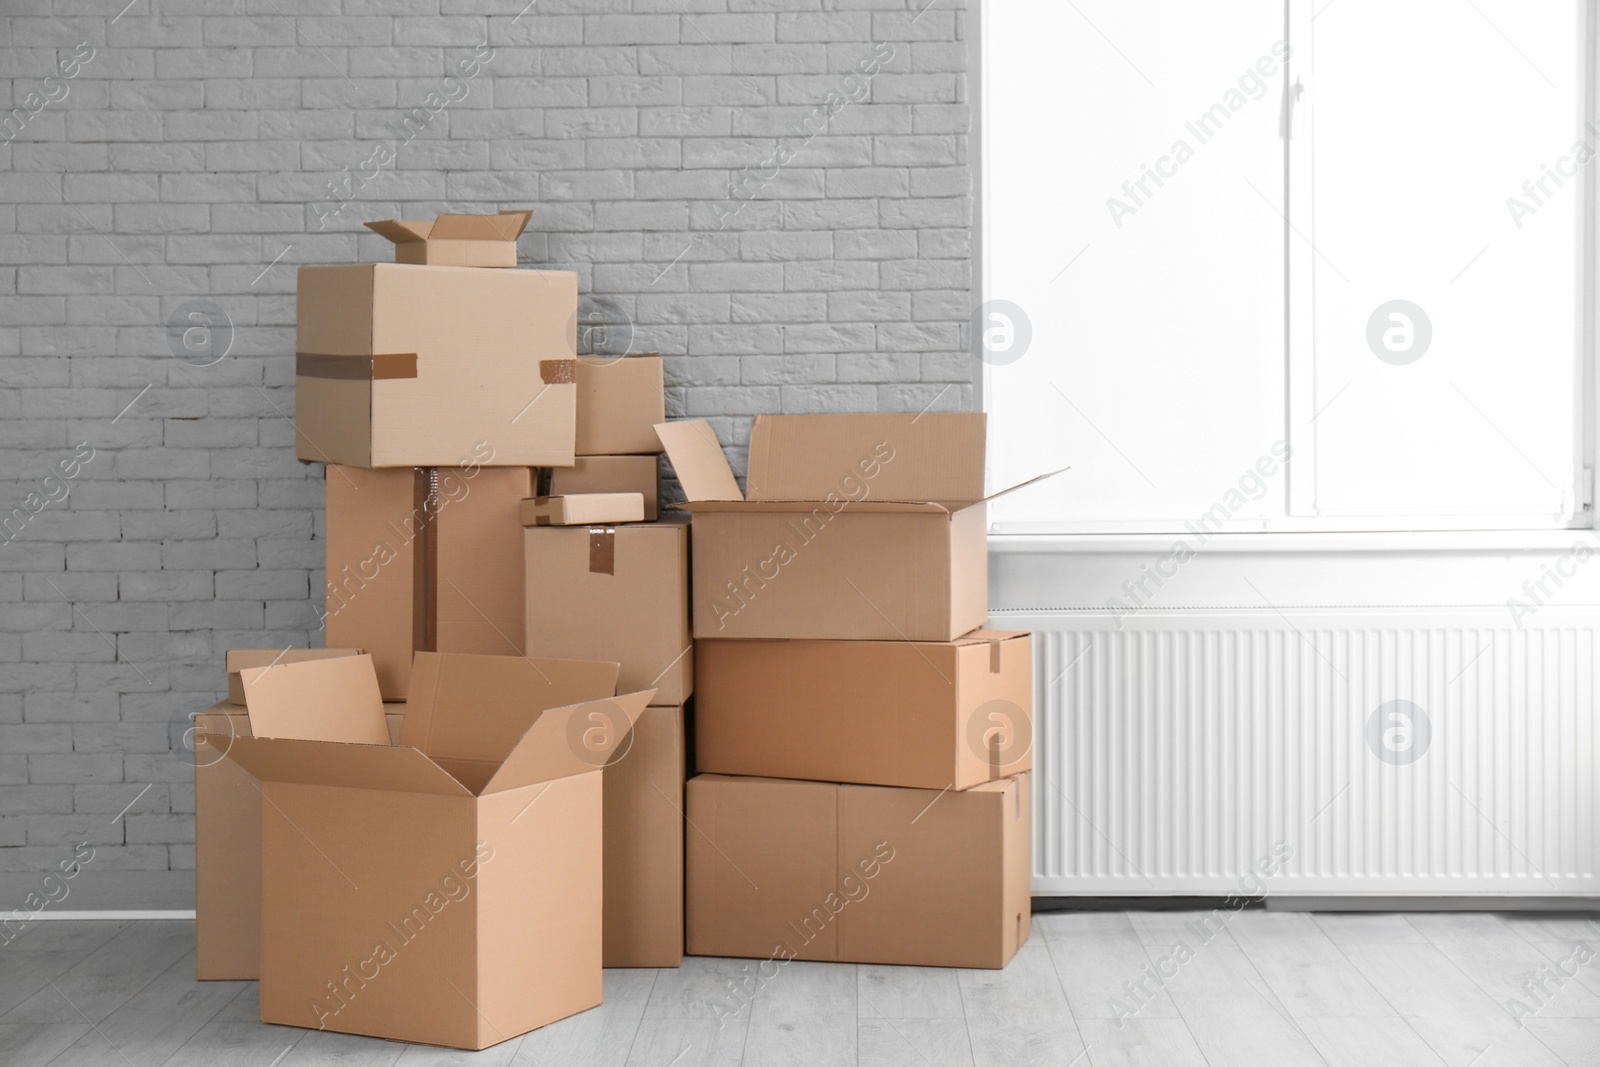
x,y
240,658
446,891
644,844
424,559
927,714
583,509
620,400
227,834
415,366
615,593
612,474
853,527
784,870
457,240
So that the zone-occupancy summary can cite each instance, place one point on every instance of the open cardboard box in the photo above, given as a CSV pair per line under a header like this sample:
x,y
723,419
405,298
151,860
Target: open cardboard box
x,y
426,559
240,658
855,527
446,890
414,366
923,714
782,870
457,240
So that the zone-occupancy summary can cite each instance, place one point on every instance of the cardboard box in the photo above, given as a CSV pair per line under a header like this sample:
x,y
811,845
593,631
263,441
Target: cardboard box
x,y
424,560
855,873
457,240
612,474
447,891
644,844
227,834
409,366
854,527
620,400
931,715
240,658
615,593
583,509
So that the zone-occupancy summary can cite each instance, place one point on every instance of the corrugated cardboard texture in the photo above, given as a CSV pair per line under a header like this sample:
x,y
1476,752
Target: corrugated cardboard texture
x,y
227,829
697,459
320,700
612,474
619,403
935,456
862,874
636,613
477,542
583,509
913,714
457,240
479,337
644,845
859,576
404,574
240,658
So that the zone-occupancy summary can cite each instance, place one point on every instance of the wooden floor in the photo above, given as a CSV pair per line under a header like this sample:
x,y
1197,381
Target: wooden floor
x,y
1090,989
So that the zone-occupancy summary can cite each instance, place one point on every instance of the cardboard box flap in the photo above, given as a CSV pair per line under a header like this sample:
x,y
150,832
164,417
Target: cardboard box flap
x,y
477,708
985,637
571,740
356,766
238,659
316,700
1021,485
696,455
933,456
402,231
506,226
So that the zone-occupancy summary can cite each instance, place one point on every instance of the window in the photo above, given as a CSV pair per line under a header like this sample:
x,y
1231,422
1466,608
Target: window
x,y
1268,266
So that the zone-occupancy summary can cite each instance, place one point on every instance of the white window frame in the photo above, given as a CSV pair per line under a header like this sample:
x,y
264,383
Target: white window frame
x,y
1443,529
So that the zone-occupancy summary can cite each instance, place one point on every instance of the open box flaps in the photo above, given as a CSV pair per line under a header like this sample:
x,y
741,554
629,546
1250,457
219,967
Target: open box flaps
x,y
887,463
316,700
456,240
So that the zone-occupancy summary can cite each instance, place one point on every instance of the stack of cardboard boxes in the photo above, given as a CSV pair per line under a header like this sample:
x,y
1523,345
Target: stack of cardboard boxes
x,y
862,743
441,826
438,768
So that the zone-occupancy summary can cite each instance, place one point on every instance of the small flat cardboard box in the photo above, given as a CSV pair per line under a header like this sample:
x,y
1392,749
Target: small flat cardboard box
x,y
929,714
854,527
424,560
240,658
227,834
782,870
411,366
446,891
457,240
612,474
583,509
614,593
644,844
620,400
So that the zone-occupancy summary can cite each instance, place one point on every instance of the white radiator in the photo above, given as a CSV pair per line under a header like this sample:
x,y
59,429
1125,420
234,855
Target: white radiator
x,y
1172,755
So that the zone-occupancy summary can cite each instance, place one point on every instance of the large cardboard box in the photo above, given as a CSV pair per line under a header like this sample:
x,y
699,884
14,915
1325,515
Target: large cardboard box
x,y
620,400
424,560
446,891
457,240
927,714
227,834
786,870
644,844
612,474
853,527
239,658
416,366
614,593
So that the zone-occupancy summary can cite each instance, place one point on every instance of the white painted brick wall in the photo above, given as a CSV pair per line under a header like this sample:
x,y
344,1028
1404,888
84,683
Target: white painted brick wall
x,y
182,164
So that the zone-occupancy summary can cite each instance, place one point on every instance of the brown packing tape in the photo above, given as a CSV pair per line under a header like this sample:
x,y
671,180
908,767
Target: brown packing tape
x,y
381,367
425,560
994,655
557,371
602,550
